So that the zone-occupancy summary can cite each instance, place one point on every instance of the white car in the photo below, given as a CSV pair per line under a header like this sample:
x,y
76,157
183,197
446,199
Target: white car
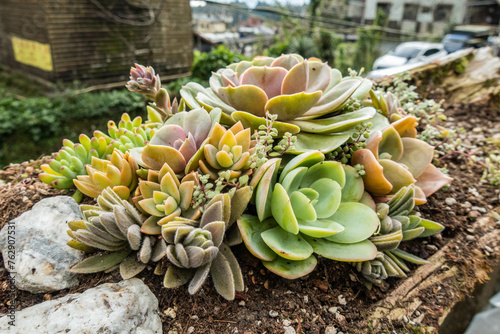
x,y
410,52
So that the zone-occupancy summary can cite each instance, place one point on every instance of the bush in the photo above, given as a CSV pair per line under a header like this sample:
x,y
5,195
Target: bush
x,y
205,63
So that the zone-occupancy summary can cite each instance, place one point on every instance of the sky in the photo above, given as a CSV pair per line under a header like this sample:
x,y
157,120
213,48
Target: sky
x,y
252,3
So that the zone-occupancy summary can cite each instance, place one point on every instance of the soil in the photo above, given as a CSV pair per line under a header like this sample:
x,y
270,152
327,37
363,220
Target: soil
x,y
330,296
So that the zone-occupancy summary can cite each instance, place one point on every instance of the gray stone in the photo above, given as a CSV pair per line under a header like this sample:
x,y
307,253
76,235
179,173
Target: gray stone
x,y
38,255
330,330
289,330
125,307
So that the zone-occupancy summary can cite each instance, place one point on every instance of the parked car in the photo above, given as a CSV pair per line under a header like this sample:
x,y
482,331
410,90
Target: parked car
x,y
467,36
410,53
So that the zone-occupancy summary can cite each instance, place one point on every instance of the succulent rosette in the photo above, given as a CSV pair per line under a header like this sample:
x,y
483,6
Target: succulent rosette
x,y
305,95
398,223
71,160
114,226
178,141
119,173
394,158
198,248
227,150
162,196
313,208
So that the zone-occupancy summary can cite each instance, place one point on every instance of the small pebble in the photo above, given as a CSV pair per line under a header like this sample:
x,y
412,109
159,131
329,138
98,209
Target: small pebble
x,y
470,238
273,314
242,303
405,319
287,322
342,300
259,323
450,201
474,214
431,248
487,248
306,299
331,330
194,317
191,330
289,330
170,312
332,310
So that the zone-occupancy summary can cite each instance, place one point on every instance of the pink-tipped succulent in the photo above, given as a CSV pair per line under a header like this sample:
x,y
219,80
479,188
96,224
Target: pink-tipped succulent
x,y
394,158
178,141
143,80
304,94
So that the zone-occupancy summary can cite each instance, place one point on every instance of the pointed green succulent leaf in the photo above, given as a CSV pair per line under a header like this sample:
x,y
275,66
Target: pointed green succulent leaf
x,y
353,188
335,124
307,159
99,262
320,228
311,142
282,210
288,107
431,228
287,245
176,276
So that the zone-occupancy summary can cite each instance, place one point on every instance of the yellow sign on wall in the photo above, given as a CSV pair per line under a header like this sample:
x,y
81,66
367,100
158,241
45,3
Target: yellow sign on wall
x,y
32,53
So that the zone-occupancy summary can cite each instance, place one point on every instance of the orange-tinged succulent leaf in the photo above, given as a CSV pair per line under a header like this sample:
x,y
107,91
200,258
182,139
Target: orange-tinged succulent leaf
x,y
215,136
186,191
115,175
243,138
122,191
242,162
417,156
155,156
165,169
289,107
296,80
149,206
169,186
147,188
211,156
373,142
269,79
224,159
247,98
396,174
227,139
406,127
375,181
431,180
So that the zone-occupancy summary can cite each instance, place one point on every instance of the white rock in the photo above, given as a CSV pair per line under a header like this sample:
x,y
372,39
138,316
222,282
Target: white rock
x,y
273,314
450,201
342,300
39,238
289,330
125,307
330,330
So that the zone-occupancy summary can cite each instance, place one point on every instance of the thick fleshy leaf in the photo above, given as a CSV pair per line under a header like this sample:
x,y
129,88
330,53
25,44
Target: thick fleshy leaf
x,y
431,228
212,213
253,122
367,200
330,194
235,267
432,179
282,210
319,76
131,267
156,156
287,245
417,156
309,142
239,203
406,127
359,222
289,107
251,229
199,278
217,230
99,262
396,174
293,180
408,257
222,277
307,159
412,234
324,170
353,188
268,79
335,124
251,99
285,61
387,241
168,135
296,79
360,251
374,179
320,228
290,269
334,97
302,206
390,144
176,276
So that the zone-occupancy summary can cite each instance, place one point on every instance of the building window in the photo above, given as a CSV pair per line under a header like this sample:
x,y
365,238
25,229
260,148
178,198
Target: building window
x,y
410,12
442,13
385,7
425,9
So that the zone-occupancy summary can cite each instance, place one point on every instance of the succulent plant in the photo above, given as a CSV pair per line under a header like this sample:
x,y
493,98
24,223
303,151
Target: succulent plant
x,y
305,95
114,226
196,249
162,196
394,158
313,208
387,104
71,159
227,150
128,134
398,223
178,141
119,173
